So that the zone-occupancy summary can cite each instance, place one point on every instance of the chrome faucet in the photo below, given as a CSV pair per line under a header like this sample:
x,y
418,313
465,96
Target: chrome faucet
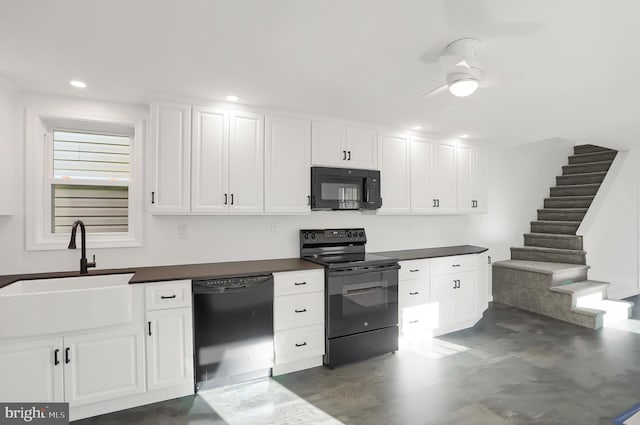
x,y
84,265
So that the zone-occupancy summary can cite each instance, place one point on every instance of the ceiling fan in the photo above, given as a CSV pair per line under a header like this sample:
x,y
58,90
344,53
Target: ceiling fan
x,y
463,71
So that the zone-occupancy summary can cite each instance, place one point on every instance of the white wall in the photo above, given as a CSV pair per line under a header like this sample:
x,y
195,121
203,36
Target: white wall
x,y
519,179
211,238
8,147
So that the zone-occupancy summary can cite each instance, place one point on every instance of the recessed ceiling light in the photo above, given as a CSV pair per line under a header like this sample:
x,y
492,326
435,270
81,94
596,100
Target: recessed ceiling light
x,y
232,98
464,136
417,127
78,84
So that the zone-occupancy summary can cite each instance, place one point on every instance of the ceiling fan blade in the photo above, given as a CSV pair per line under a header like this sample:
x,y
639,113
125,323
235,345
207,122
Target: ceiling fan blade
x,y
433,92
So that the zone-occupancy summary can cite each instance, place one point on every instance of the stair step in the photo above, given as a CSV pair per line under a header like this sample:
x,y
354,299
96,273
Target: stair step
x,y
580,149
612,310
592,157
550,240
588,167
582,178
568,202
562,214
561,273
552,255
575,190
557,227
583,287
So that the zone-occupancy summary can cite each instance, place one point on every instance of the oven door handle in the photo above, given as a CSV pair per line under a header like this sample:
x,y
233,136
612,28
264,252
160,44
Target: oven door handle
x,y
373,269
349,292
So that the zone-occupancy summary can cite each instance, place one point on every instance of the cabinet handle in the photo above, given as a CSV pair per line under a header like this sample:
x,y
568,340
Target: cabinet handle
x,y
149,327
455,265
308,199
167,297
56,361
153,197
232,199
413,321
434,203
414,270
455,284
225,199
344,155
301,345
438,203
414,293
304,310
349,157
299,283
67,359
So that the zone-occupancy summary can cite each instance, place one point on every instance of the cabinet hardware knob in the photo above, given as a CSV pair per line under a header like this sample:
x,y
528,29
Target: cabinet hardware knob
x,y
304,310
414,270
299,283
67,359
167,297
56,360
414,293
149,325
301,345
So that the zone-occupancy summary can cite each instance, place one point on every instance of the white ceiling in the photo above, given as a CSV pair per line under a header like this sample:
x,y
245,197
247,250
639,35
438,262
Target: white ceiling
x,y
561,68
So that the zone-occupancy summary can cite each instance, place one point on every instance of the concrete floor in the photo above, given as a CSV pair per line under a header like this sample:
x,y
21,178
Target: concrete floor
x,y
513,367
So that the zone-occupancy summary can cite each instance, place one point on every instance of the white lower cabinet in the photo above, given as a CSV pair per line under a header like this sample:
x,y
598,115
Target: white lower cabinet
x,y
298,311
440,295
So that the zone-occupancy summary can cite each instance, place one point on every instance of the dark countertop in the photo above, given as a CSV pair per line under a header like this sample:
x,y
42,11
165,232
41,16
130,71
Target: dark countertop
x,y
185,271
445,251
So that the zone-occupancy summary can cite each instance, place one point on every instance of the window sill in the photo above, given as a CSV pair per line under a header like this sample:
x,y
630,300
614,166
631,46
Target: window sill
x,y
60,243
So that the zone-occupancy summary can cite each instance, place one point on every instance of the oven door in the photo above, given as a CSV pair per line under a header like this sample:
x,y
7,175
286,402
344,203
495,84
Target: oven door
x,y
337,188
361,300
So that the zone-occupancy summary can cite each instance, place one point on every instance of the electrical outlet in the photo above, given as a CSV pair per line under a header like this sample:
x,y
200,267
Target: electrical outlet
x,y
275,229
183,231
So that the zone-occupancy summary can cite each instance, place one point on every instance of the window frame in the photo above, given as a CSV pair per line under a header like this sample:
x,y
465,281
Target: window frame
x,y
39,151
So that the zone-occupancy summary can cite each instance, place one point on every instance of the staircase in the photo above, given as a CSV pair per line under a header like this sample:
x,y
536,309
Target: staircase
x,y
548,275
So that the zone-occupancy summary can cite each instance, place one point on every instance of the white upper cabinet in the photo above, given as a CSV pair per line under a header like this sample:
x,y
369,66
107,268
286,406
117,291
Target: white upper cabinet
x,y
209,165
287,165
337,145
170,152
433,177
394,174
471,179
246,157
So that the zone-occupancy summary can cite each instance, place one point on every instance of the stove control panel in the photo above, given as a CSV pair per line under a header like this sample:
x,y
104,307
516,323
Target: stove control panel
x,y
333,236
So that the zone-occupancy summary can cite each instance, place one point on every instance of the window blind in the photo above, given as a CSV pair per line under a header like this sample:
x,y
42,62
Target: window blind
x,y
101,208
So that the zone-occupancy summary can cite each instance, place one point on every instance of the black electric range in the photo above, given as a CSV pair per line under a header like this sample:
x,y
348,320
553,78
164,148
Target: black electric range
x,y
361,294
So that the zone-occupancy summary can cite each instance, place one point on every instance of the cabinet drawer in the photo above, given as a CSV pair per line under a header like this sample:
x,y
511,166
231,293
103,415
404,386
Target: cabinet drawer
x,y
414,269
455,264
298,282
413,292
299,343
168,294
294,311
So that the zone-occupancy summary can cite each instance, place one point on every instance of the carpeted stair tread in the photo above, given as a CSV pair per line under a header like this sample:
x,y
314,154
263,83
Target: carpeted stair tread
x,y
589,189
544,267
552,226
553,240
592,157
562,214
555,255
581,178
588,148
583,287
568,201
586,167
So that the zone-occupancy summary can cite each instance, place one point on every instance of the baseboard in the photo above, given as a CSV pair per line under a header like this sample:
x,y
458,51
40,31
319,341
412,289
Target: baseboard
x,y
109,406
297,365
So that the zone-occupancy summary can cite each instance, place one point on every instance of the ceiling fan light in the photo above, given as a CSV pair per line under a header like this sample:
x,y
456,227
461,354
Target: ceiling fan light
x,y
463,87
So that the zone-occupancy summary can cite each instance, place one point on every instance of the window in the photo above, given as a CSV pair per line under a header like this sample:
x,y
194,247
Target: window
x,y
90,182
92,172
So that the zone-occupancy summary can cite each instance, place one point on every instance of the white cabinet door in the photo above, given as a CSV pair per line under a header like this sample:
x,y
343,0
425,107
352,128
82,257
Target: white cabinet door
x,y
29,372
463,178
287,165
361,146
328,142
422,176
479,179
442,301
445,178
171,156
103,365
394,174
471,179
169,348
246,156
466,297
209,163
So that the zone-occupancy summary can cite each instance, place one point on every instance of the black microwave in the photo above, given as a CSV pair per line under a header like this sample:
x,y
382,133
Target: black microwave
x,y
345,189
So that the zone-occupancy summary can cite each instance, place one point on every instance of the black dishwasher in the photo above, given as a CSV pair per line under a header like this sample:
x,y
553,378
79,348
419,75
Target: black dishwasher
x,y
233,329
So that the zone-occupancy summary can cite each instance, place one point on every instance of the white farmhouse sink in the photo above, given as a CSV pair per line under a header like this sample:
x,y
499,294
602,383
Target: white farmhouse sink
x,y
50,306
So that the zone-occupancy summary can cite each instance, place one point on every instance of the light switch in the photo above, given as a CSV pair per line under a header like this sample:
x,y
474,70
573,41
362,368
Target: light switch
x,y
183,231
